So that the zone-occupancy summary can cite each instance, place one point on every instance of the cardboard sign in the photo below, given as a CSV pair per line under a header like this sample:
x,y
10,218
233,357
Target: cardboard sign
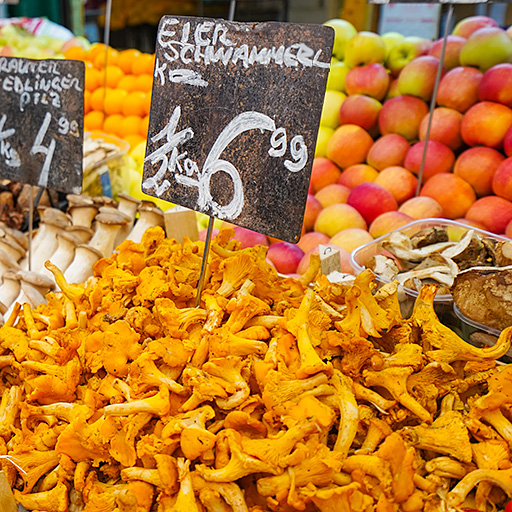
x,y
41,122
234,117
422,21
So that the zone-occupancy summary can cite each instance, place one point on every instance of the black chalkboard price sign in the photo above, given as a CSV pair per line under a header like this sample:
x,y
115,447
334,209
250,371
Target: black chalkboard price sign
x,y
234,117
41,122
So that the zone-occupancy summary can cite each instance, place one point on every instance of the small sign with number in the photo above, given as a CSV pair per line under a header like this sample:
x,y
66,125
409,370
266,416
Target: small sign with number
x,y
234,117
41,122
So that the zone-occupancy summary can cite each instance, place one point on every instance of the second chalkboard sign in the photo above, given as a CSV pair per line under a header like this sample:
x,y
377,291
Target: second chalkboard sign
x,y
234,117
41,122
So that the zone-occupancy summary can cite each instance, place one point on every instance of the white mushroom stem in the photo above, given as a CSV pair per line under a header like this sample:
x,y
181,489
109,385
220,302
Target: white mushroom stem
x,y
10,288
82,233
150,216
64,254
127,205
83,215
7,262
81,266
47,246
33,288
107,226
14,250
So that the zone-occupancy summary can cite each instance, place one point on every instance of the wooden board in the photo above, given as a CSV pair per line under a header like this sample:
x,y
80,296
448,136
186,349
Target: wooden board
x,y
41,122
234,118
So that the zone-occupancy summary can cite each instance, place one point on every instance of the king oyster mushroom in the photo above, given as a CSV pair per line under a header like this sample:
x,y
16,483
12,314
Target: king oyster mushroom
x,y
82,233
127,205
64,254
81,266
149,216
107,226
82,210
10,287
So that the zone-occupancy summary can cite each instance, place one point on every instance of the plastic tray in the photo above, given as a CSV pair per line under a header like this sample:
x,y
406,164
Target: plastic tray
x,y
407,296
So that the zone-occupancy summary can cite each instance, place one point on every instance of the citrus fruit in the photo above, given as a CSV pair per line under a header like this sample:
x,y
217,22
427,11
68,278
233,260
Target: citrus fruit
x,y
93,79
75,53
143,64
97,99
126,58
114,100
112,124
144,82
114,75
128,83
130,125
95,50
134,104
133,140
108,58
93,121
87,102
144,127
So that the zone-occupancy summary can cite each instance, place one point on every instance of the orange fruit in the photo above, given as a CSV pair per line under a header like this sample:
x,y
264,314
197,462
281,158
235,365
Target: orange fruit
x,y
133,140
112,124
127,83
93,79
93,121
97,99
130,125
126,58
75,53
144,82
134,104
143,64
114,100
144,127
108,58
87,102
114,75
147,104
95,50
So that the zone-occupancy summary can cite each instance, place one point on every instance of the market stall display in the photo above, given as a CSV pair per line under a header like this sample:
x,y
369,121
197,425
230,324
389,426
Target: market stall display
x,y
273,395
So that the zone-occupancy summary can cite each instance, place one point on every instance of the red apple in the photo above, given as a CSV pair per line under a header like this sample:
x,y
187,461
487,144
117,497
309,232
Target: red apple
x,y
360,110
467,26
349,145
313,208
393,91
249,238
372,80
285,257
371,200
507,142
311,240
418,77
486,124
439,158
454,45
323,173
502,179
493,212
496,85
445,127
388,151
458,89
402,115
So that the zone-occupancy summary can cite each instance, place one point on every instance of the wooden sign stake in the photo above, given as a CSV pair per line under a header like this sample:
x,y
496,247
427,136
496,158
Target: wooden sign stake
x,y
434,97
204,265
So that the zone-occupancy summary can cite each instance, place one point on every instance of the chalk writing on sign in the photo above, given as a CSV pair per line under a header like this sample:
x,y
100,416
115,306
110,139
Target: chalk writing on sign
x,y
41,122
234,116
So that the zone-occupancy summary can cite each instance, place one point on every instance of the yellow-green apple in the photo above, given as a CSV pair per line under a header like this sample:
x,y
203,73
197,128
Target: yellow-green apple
x,y
323,173
357,174
454,45
371,200
439,158
393,91
351,238
343,32
402,115
477,166
485,48
364,48
313,208
336,217
249,238
391,39
337,74
344,259
285,257
502,179
311,240
454,194
509,32
324,134
421,207
388,151
493,212
371,80
405,51
387,222
496,85
458,89
507,142
332,194
361,110
467,26
399,181
349,145
418,77
445,127
472,223
331,108
486,124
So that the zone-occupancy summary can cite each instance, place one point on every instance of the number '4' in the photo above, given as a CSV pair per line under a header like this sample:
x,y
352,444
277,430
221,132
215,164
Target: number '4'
x,y
47,151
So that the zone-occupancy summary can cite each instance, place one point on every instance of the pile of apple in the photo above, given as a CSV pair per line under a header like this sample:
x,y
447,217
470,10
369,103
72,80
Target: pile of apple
x,y
374,125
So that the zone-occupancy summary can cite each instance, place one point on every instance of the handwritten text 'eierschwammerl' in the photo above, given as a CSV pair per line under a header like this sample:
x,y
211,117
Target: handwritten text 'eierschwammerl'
x,y
210,43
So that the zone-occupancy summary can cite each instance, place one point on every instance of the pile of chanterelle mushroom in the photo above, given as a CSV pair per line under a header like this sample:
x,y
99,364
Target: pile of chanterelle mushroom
x,y
73,241
275,394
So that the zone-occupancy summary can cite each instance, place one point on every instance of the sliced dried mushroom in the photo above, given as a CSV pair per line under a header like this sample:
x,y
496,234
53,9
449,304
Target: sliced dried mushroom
x,y
399,244
429,236
503,254
383,266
